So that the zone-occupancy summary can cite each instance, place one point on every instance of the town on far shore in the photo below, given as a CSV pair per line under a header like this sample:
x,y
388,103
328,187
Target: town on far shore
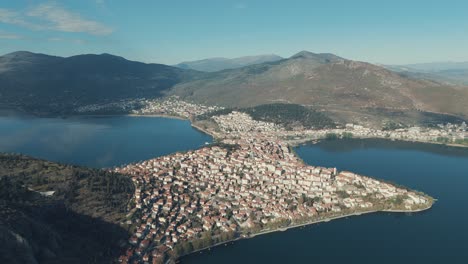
x,y
455,134
249,182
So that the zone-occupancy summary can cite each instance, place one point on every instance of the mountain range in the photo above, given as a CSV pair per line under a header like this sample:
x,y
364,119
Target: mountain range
x,y
219,64
446,72
345,90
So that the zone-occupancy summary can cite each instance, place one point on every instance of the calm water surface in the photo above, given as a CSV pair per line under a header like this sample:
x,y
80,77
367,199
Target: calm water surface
x,y
439,235
98,141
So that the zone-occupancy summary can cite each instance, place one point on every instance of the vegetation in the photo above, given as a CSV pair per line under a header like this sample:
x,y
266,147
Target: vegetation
x,y
78,223
347,135
342,194
230,148
206,240
433,119
461,141
290,115
208,115
443,140
331,136
392,126
80,80
398,200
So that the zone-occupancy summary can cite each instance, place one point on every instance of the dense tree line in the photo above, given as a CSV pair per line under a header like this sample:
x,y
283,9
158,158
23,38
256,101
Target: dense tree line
x,y
290,115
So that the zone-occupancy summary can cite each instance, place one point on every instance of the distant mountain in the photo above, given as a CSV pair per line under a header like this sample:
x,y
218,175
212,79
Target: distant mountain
x,y
42,83
218,64
54,213
347,90
432,67
447,72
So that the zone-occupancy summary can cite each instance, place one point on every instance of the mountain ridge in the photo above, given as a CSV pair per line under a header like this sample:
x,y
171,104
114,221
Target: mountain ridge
x,y
350,91
43,83
453,73
221,63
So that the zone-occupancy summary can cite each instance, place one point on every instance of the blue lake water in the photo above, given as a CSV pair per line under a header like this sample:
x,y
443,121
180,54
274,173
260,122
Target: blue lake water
x,y
98,141
439,235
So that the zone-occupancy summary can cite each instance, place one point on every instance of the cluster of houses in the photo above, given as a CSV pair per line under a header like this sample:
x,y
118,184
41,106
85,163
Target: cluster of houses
x,y
236,123
424,134
252,180
172,106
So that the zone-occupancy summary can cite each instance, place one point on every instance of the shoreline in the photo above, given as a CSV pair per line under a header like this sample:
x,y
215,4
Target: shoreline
x,y
305,142
159,115
312,222
300,142
204,131
292,143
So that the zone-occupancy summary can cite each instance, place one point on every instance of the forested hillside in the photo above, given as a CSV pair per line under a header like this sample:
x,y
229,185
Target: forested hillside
x,y
54,213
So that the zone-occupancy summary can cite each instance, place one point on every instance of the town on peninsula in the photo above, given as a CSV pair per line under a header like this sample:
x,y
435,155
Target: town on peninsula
x,y
249,182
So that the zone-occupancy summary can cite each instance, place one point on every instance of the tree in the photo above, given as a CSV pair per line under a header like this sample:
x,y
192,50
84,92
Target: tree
x,y
331,136
187,247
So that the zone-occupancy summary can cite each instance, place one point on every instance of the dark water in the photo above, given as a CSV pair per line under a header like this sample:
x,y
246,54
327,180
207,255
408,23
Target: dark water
x,y
97,141
439,235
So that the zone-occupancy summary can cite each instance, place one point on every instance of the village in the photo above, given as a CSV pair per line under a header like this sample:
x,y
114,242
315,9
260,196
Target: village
x,y
249,182
174,107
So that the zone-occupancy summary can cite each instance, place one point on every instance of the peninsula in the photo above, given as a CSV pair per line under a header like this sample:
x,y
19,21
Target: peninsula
x,y
247,183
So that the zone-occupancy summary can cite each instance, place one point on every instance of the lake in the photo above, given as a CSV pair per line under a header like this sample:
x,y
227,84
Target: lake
x,y
439,235
98,141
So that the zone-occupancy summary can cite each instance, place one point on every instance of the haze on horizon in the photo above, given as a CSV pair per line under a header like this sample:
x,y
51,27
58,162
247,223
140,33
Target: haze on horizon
x,y
396,32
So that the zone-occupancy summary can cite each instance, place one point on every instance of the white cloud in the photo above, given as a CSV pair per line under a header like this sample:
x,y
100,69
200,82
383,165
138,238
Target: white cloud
x,y
11,17
50,16
7,35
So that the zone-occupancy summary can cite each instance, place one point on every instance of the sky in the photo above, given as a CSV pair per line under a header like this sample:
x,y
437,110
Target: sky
x,y
172,31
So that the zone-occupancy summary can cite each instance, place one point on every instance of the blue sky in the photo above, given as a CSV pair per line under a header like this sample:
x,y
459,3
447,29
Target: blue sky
x,y
171,31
